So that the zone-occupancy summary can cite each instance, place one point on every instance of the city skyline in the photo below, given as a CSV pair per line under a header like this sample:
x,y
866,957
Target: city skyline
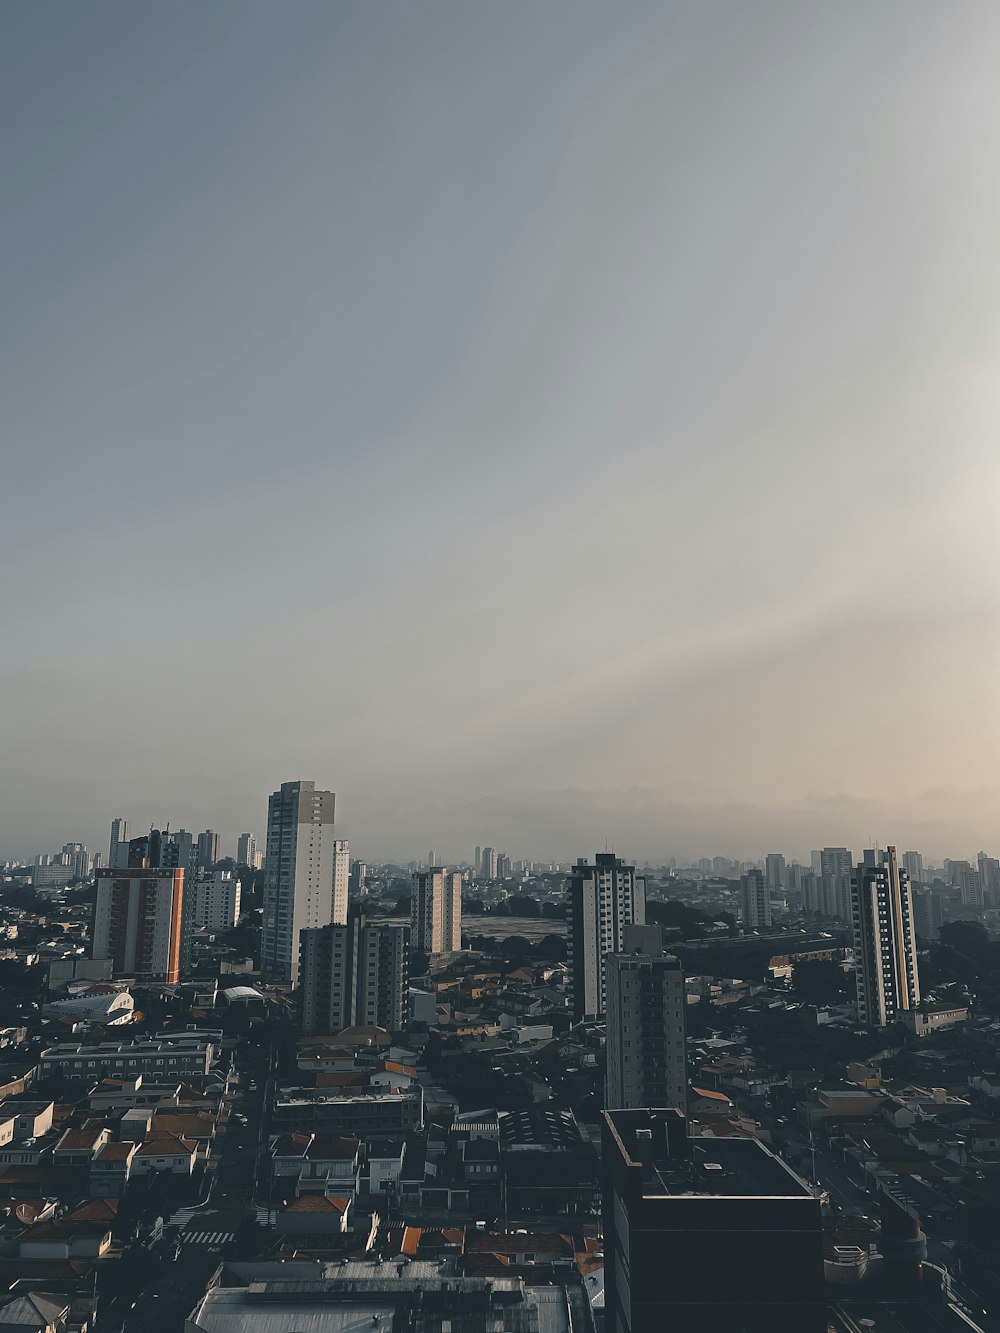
x,y
511,413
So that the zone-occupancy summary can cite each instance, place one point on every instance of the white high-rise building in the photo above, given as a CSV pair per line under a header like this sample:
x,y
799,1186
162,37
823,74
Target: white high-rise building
x,y
436,910
885,955
603,899
755,900
212,901
341,880
644,1023
246,851
118,856
300,885
488,863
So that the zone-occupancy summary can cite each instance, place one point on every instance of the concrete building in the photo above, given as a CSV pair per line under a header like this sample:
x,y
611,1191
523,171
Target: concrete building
x,y
354,976
300,888
646,1003
208,849
138,921
885,956
776,872
913,864
755,900
212,901
488,863
603,899
118,855
716,1235
436,910
186,1054
246,851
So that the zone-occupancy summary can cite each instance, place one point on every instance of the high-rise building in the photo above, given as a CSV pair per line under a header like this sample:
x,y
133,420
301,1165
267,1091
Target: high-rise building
x,y
300,876
602,899
436,910
928,913
913,864
212,900
836,868
358,887
138,921
816,862
885,955
118,855
713,1234
755,900
354,975
646,1003
479,861
989,878
503,866
341,878
246,851
488,863
775,872
208,849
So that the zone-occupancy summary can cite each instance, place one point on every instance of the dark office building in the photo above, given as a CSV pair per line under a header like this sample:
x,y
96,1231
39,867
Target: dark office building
x,y
716,1235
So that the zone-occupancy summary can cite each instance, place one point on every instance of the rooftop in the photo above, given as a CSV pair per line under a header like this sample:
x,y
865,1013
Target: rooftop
x,y
675,1165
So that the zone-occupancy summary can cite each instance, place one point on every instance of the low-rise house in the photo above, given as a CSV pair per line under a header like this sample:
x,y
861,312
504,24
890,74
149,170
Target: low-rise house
x,y
165,1153
66,1239
313,1214
34,1312
111,1170
79,1147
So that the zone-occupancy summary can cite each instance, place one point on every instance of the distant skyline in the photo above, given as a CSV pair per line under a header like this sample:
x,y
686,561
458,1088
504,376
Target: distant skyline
x,y
537,423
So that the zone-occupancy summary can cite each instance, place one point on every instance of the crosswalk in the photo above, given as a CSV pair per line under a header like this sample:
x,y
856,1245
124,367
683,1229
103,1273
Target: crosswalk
x,y
208,1240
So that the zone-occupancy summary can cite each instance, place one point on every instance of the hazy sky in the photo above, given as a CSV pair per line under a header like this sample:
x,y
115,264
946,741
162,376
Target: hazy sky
x,y
539,422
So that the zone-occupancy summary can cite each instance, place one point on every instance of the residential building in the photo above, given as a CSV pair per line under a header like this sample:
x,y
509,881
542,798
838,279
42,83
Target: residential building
x,y
118,855
885,956
358,887
712,1234
354,976
246,851
488,863
755,900
138,921
989,878
603,899
646,1003
300,883
776,872
913,864
212,901
186,1054
208,849
436,910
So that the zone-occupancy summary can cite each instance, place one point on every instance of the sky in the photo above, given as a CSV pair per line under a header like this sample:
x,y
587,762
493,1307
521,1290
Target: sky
x,y
540,423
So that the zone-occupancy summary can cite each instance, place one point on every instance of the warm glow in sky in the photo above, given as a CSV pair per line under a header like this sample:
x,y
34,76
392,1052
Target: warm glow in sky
x,y
537,422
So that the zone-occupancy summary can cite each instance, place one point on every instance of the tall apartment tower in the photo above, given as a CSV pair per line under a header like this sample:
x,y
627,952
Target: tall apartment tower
x,y
341,878
208,849
246,850
885,956
775,871
138,921
488,863
913,864
603,899
300,890
354,976
755,900
717,1235
212,900
646,1005
118,855
436,910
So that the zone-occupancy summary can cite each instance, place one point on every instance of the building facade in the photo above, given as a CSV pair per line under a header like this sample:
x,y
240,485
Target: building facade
x,y
213,901
300,876
885,955
755,900
138,919
645,1043
354,976
603,899
436,910
716,1235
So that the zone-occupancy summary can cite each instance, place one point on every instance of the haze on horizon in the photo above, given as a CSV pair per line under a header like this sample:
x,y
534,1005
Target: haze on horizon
x,y
538,423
